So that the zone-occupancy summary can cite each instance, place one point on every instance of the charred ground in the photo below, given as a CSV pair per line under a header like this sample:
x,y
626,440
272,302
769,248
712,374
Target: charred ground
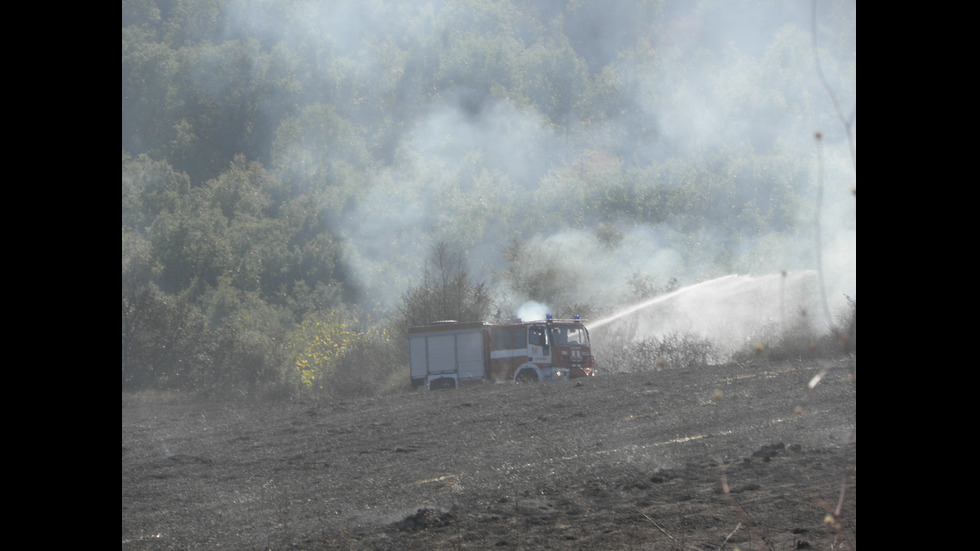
x,y
740,455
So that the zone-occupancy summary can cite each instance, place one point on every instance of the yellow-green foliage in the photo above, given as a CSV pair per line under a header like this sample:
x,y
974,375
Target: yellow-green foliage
x,y
333,355
315,347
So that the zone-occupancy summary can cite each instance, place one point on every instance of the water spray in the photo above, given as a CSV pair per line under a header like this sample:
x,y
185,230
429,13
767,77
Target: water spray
x,y
726,310
657,299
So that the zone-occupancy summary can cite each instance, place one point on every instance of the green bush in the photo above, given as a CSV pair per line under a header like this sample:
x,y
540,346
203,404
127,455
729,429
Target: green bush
x,y
313,349
329,356
370,365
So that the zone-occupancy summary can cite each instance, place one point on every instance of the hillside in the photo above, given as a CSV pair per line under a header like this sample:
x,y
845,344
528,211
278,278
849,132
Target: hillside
x,y
616,462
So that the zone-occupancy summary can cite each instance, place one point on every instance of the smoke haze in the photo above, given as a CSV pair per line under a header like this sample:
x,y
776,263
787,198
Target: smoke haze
x,y
477,165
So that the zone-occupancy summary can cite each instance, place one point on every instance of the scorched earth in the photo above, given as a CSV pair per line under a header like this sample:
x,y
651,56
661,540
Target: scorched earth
x,y
754,455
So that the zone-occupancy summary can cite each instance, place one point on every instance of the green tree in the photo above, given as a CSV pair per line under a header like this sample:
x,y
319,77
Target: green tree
x,y
165,341
187,22
152,99
556,80
150,188
321,149
250,345
445,292
539,272
222,85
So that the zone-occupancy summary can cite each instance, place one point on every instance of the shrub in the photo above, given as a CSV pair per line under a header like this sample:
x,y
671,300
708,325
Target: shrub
x,y
370,364
313,349
330,356
165,342
802,341
669,351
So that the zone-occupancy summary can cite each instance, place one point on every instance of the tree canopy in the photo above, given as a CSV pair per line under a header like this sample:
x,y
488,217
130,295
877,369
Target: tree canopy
x,y
288,160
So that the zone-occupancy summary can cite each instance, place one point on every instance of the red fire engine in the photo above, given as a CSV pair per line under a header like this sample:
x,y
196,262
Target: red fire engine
x,y
449,353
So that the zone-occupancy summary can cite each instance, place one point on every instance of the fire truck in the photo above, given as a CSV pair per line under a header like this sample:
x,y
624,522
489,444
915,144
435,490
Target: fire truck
x,y
447,354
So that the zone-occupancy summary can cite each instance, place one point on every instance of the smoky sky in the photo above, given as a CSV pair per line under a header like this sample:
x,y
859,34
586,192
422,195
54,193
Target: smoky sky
x,y
702,79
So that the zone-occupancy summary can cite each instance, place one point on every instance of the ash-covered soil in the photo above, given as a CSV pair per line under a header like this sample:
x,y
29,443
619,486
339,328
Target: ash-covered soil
x,y
736,456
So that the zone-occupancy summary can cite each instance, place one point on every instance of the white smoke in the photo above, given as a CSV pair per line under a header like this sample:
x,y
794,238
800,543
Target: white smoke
x,y
532,311
710,80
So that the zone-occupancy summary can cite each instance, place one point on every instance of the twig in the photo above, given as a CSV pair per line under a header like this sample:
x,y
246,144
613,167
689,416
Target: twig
x,y
816,219
840,501
738,508
833,519
658,526
729,536
846,123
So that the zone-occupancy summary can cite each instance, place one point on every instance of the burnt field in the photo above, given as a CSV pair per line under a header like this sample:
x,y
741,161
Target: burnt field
x,y
740,455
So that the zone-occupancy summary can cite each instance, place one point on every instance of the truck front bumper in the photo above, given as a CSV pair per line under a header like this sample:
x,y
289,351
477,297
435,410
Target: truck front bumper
x,y
554,374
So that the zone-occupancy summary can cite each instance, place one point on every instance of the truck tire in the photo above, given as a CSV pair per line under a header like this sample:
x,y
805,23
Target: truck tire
x,y
526,376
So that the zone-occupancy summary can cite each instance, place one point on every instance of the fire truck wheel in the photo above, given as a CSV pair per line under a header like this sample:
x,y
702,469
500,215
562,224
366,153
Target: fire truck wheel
x,y
527,376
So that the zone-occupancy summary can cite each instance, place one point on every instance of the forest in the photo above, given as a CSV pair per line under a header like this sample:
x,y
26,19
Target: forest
x,y
302,180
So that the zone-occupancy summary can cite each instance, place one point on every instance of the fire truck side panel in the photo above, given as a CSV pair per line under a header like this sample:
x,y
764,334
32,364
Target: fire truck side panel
x,y
418,359
504,363
469,355
447,353
442,354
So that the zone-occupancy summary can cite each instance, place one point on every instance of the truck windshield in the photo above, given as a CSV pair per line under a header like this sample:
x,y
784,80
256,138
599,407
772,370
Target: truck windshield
x,y
570,335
